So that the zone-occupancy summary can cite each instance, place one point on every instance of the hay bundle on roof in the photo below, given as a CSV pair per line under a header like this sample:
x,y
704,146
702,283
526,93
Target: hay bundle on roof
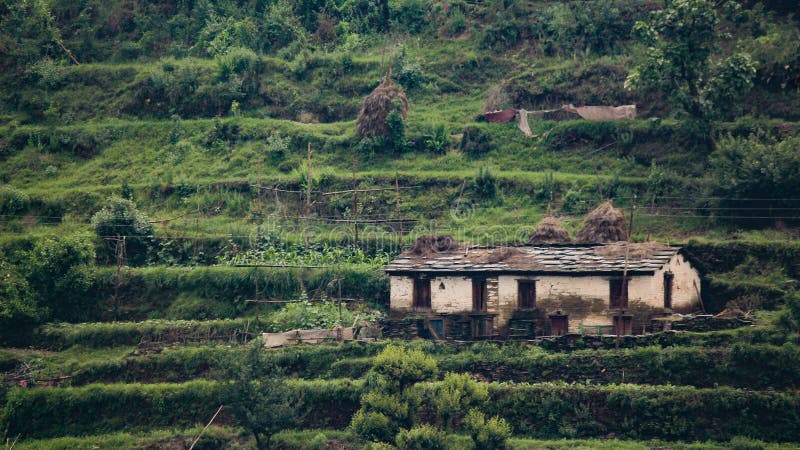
x,y
633,251
502,253
387,97
604,224
549,231
428,244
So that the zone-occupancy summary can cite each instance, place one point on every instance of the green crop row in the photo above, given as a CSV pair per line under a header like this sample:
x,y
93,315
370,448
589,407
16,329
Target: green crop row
x,y
98,409
545,410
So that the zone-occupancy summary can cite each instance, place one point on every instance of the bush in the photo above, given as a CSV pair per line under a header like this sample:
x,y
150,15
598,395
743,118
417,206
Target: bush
x,y
485,184
423,437
747,169
487,435
373,426
59,270
458,393
437,139
236,61
119,219
12,202
476,142
401,369
306,315
18,309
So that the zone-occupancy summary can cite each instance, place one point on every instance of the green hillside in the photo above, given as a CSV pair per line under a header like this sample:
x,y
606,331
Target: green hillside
x,y
189,129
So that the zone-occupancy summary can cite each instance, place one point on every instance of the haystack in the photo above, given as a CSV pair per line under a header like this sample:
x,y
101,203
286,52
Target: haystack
x,y
427,244
387,97
633,251
496,99
502,253
604,224
549,231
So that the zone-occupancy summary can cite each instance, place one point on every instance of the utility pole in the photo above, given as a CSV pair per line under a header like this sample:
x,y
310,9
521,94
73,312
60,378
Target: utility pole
x,y
355,208
624,286
397,212
308,195
119,252
196,224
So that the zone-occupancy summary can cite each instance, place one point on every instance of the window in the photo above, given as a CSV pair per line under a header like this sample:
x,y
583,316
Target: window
x,y
623,325
479,294
619,293
482,326
422,294
559,325
668,277
526,294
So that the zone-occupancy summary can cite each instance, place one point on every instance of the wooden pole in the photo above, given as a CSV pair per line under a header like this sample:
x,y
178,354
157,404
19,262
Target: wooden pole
x,y
355,209
397,212
197,439
308,195
120,258
196,223
624,286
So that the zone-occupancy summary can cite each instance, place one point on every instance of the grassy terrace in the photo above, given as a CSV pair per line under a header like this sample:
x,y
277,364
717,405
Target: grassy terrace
x,y
185,107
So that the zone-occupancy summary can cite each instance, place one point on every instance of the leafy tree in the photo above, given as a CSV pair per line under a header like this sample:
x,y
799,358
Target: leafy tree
x,y
680,41
423,437
388,405
746,169
489,434
400,369
18,309
58,269
457,393
120,219
255,392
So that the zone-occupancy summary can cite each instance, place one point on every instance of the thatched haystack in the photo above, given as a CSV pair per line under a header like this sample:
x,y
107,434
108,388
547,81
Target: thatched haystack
x,y
427,244
387,97
549,231
502,253
633,251
496,99
604,224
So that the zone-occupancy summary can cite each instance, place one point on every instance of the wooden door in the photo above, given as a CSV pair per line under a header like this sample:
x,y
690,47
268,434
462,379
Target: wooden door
x,y
479,295
422,294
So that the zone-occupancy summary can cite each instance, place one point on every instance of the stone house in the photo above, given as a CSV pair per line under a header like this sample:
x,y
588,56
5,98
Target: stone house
x,y
477,292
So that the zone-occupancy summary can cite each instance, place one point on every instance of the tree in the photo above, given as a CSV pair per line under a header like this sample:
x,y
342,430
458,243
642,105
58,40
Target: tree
x,y
256,393
458,393
18,309
120,219
748,171
680,42
58,270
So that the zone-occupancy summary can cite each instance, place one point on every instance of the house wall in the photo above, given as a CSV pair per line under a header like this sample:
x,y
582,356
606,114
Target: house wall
x,y
584,298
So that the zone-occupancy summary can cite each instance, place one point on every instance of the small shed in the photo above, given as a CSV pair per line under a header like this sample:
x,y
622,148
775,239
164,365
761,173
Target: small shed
x,y
484,292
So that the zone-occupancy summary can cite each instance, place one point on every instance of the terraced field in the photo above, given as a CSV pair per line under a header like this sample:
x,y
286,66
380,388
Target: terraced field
x,y
153,153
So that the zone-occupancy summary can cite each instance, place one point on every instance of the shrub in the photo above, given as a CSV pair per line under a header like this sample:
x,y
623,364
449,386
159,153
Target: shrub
x,y
437,139
12,201
401,368
748,169
58,269
312,315
485,184
236,61
489,434
119,219
423,437
476,142
458,393
18,309
373,426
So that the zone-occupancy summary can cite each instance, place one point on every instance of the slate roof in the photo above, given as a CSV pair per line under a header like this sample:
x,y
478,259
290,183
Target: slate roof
x,y
547,259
